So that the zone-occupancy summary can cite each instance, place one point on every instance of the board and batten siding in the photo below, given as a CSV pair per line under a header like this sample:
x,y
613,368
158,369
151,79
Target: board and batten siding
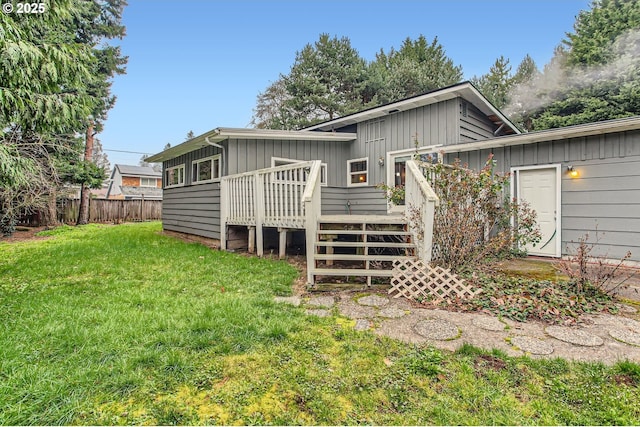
x,y
605,195
250,154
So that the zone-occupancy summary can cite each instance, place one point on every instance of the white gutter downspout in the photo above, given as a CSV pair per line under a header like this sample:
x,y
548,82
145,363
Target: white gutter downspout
x,y
224,151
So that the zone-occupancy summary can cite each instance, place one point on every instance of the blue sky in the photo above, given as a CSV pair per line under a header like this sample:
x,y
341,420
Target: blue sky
x,y
200,64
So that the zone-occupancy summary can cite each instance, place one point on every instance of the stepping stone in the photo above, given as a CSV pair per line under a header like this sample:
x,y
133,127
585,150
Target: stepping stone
x,y
488,323
318,312
626,336
627,309
355,311
391,312
295,301
322,301
437,329
373,300
532,345
574,336
362,325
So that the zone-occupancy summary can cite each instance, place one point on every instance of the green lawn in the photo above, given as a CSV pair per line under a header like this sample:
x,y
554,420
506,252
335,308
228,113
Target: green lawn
x,y
122,325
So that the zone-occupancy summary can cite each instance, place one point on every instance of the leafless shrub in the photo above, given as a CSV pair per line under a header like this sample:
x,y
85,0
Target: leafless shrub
x,y
599,271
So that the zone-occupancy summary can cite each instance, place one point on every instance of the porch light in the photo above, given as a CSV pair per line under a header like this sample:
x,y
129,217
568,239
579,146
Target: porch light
x,y
381,161
573,173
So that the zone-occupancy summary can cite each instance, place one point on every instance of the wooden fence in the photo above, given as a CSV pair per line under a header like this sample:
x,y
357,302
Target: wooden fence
x,y
106,210
103,210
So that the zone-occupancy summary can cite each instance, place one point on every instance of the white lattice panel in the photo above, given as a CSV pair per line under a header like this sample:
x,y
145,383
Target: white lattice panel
x,y
416,280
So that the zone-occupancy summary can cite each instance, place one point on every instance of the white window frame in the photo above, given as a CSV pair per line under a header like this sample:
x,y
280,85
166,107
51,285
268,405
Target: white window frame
x,y
212,159
166,176
365,172
390,162
280,161
155,182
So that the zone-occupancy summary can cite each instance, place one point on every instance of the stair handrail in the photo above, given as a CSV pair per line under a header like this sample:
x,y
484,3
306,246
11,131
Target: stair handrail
x,y
420,204
311,200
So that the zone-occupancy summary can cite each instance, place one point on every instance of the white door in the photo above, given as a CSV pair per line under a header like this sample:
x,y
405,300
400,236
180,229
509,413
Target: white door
x,y
539,187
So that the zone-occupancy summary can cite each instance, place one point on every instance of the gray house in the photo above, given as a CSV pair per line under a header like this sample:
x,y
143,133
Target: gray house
x,y
318,186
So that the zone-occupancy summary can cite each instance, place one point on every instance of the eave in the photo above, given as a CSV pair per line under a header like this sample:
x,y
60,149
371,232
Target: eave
x,y
576,131
218,135
462,90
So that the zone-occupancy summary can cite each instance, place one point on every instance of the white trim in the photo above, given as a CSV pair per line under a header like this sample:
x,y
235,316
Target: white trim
x,y
558,167
284,161
365,172
390,166
154,179
166,173
212,159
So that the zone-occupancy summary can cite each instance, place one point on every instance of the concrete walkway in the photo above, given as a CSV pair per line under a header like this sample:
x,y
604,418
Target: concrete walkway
x,y
605,338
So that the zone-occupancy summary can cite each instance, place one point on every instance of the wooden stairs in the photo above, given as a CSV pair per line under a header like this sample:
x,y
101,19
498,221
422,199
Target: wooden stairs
x,y
357,251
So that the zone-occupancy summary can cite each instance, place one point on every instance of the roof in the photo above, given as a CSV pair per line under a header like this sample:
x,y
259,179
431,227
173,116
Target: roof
x,y
220,134
138,192
464,90
131,170
575,131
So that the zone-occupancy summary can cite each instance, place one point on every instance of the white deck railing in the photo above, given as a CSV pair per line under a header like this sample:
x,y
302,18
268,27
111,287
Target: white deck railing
x,y
282,197
420,205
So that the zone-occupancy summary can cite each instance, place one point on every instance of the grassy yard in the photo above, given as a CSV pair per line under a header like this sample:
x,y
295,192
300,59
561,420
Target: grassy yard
x,y
122,325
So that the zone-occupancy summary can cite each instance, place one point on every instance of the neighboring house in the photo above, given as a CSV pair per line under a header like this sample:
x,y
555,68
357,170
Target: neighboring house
x,y
134,182
255,184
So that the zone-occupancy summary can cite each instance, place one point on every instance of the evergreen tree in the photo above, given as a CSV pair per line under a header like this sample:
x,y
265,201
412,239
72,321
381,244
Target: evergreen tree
x,y
418,67
595,75
325,82
495,85
99,22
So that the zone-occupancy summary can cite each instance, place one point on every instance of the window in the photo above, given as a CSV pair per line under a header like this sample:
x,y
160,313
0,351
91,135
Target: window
x,y
279,161
174,176
374,131
147,182
206,170
357,170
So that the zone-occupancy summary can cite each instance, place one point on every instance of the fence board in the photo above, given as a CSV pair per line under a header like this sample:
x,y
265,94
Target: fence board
x,y
103,210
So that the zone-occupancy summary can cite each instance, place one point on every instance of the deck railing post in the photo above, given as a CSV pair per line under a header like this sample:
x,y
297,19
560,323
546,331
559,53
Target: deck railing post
x,y
311,200
224,212
259,210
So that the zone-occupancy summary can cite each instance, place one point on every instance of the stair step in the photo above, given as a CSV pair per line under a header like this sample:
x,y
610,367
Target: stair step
x,y
367,232
362,219
351,272
407,245
351,257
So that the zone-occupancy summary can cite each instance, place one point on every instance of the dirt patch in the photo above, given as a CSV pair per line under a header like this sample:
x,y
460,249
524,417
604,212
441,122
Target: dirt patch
x,y
491,362
24,234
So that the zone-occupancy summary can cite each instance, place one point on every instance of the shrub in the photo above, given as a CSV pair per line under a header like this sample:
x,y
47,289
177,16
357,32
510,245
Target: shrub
x,y
475,221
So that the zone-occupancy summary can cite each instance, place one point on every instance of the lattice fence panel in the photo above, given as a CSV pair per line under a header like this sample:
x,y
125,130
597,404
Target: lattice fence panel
x,y
415,280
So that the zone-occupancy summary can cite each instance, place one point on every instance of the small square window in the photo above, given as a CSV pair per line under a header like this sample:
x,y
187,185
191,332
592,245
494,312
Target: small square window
x,y
174,176
358,172
147,182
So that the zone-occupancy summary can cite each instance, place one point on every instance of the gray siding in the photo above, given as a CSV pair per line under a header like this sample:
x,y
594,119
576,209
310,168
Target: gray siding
x,y
250,154
354,201
186,160
474,125
606,195
193,209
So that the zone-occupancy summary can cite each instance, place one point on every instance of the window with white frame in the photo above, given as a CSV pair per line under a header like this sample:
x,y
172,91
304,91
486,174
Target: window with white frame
x,y
174,176
147,182
206,170
279,161
374,131
358,172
